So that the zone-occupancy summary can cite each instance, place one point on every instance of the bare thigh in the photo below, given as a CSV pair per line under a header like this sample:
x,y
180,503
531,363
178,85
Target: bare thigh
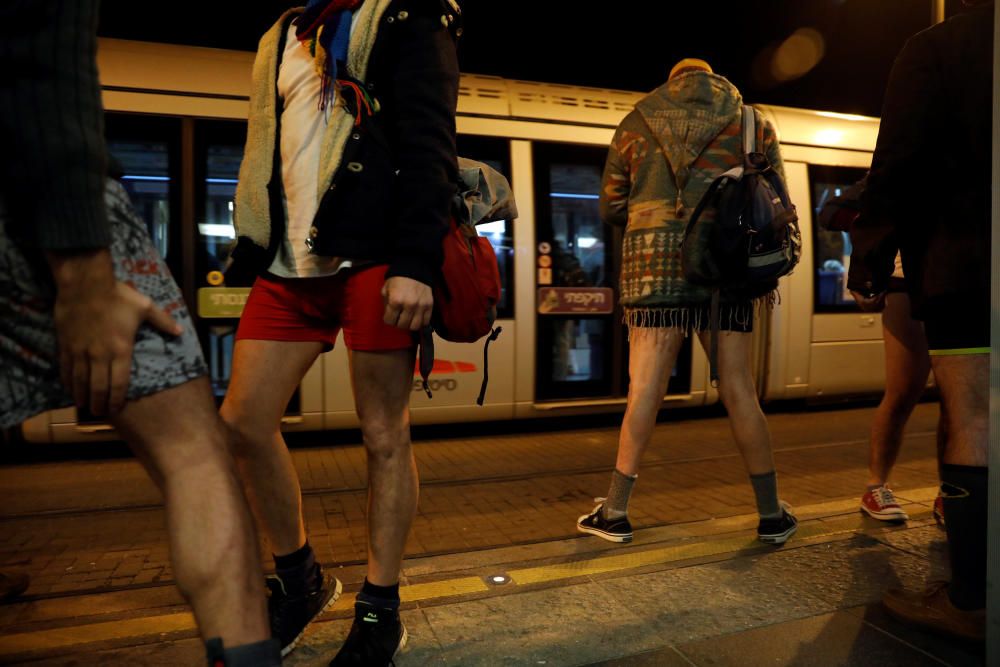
x,y
382,382
652,355
174,428
265,375
735,375
907,364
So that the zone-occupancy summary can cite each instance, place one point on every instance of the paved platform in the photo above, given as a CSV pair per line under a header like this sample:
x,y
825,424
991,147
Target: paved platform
x,y
694,588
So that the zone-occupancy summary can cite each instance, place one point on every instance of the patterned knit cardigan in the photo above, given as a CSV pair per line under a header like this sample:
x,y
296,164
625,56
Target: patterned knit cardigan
x,y
692,124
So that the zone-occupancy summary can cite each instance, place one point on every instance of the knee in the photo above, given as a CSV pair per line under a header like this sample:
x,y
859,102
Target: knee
x,y
897,407
386,440
243,433
737,391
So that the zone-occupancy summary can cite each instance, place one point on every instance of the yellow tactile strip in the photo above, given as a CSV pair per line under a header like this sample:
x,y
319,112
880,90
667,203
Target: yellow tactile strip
x,y
92,633
153,627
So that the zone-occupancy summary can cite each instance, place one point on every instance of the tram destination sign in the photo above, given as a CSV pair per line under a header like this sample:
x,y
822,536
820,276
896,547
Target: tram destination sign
x,y
576,300
222,302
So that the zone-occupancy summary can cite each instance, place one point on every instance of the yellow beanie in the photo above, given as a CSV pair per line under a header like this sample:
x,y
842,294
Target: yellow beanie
x,y
690,64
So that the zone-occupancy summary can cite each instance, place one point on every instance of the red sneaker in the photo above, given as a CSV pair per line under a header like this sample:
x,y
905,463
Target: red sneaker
x,y
880,504
938,511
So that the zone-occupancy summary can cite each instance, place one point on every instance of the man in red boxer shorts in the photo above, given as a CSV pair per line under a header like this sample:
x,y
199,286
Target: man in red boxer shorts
x,y
317,309
343,201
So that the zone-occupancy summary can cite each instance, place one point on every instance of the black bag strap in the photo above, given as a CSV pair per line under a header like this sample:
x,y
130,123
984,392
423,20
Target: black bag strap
x,y
713,347
426,355
486,364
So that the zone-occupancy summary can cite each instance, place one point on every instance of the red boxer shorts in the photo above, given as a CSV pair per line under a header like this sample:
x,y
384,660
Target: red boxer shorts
x,y
316,309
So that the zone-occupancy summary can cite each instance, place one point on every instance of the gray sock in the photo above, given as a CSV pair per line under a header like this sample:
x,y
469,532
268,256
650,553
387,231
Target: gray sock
x,y
616,506
765,490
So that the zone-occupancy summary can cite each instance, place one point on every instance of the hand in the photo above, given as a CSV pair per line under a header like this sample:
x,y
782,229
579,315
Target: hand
x,y
870,304
96,318
408,303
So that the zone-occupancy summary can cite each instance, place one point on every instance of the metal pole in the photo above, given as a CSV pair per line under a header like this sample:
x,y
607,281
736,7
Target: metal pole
x,y
993,530
937,11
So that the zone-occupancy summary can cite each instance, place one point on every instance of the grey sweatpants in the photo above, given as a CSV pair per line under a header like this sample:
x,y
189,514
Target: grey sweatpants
x,y
29,357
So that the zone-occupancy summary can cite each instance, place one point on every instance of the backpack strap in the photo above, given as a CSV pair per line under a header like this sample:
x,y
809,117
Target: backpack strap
x,y
486,364
749,130
426,357
713,346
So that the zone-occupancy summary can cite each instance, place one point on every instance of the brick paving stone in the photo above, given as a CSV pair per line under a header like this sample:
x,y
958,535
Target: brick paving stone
x,y
540,484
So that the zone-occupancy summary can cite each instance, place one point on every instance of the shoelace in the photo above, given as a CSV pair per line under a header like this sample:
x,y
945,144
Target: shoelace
x,y
599,501
885,497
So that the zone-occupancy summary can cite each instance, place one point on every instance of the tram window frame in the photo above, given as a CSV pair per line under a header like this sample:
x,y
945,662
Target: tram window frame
x,y
495,151
818,175
124,127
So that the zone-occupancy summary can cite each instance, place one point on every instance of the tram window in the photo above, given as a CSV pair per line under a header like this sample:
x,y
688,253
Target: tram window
x,y
832,249
216,232
147,180
576,351
578,243
495,153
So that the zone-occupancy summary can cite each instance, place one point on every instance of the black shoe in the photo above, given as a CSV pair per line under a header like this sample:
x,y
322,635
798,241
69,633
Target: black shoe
x,y
778,530
375,637
613,530
290,614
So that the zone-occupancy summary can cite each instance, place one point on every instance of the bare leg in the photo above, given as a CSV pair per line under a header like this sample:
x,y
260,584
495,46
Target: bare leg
x,y
739,396
964,382
652,355
906,369
382,382
179,438
265,375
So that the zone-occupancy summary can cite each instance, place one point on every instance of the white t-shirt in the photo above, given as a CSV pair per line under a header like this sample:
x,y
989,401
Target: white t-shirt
x,y
303,125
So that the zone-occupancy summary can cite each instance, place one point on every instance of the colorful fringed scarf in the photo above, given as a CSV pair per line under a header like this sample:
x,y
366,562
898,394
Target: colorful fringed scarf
x,y
324,28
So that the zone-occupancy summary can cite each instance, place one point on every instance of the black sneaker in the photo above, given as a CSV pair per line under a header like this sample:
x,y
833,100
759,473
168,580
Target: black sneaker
x,y
290,614
778,530
375,637
613,530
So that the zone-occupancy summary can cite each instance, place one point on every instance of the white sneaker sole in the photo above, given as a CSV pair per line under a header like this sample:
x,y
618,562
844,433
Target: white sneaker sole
x,y
778,538
402,641
329,603
610,537
887,515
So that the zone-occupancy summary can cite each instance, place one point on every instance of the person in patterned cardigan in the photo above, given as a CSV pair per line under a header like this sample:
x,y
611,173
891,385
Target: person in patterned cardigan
x,y
663,158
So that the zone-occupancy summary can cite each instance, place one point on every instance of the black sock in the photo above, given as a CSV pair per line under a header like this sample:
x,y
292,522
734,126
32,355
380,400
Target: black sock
x,y
965,491
380,596
298,570
266,653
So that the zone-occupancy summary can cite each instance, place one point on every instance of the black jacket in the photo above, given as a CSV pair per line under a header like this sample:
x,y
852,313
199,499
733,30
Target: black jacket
x,y
51,125
390,198
928,192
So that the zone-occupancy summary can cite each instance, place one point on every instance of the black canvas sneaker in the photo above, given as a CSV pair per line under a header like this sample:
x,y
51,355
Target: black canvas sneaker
x,y
613,530
376,636
290,614
779,529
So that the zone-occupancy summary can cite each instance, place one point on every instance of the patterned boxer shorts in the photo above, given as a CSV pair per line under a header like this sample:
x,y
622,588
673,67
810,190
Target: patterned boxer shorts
x,y
29,368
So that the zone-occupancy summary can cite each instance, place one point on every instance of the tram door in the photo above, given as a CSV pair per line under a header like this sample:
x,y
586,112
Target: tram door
x,y
582,347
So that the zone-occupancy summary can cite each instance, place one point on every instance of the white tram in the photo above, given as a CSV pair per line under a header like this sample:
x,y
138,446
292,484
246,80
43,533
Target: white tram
x,y
176,120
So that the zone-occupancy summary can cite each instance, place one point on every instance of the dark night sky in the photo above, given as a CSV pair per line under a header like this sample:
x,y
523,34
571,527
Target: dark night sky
x,y
626,44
